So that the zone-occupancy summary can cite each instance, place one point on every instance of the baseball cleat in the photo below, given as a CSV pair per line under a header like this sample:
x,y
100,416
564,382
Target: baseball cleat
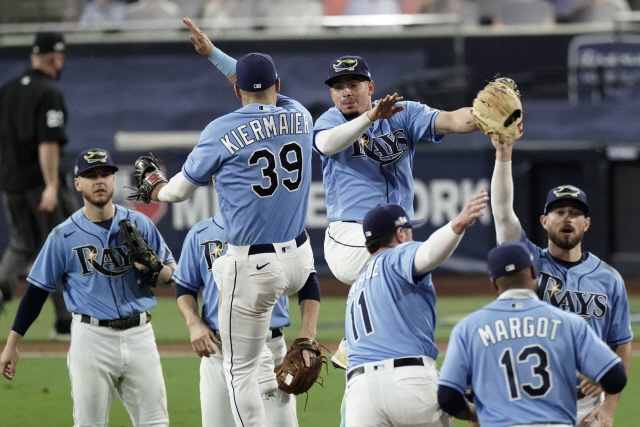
x,y
340,359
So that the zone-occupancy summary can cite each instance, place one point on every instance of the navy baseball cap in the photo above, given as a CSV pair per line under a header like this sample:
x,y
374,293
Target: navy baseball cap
x,y
93,158
48,42
348,65
255,72
507,258
566,192
385,219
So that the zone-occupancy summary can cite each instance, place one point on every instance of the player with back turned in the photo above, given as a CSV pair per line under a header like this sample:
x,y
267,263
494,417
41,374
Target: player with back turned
x,y
390,320
520,355
113,350
568,278
260,155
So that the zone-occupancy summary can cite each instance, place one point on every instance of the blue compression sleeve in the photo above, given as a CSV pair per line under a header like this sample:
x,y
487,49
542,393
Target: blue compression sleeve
x,y
29,309
310,290
222,61
181,290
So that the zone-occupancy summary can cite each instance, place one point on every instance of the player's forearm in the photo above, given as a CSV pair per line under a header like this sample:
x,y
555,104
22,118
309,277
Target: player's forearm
x,y
624,352
177,190
508,228
14,339
310,311
436,250
458,121
188,307
224,63
49,158
166,274
339,138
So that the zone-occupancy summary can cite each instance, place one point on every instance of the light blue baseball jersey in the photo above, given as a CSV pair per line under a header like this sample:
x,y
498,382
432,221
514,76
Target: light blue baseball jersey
x,y
205,242
98,279
377,168
390,313
261,158
520,357
593,289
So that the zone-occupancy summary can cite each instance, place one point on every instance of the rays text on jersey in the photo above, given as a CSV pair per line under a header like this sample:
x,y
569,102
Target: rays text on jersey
x,y
270,126
384,149
586,304
112,263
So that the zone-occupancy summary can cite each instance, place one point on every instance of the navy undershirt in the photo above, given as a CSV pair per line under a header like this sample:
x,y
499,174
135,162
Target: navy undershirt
x,y
105,224
570,264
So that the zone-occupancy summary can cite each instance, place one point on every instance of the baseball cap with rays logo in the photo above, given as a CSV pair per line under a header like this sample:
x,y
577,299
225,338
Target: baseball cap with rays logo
x,y
566,192
348,65
93,158
386,219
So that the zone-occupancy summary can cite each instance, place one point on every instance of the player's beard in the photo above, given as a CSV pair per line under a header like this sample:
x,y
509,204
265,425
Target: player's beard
x,y
99,200
565,242
351,115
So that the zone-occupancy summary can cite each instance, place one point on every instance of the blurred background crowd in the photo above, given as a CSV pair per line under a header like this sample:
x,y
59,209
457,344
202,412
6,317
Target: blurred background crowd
x,y
471,12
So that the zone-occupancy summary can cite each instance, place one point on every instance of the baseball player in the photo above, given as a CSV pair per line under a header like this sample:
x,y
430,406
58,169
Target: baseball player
x,y
520,355
260,155
113,350
567,277
205,243
390,320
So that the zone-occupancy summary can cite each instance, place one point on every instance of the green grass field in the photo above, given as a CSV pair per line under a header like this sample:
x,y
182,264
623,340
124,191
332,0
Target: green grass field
x,y
40,393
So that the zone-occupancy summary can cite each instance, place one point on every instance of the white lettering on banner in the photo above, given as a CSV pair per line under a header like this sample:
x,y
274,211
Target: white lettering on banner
x,y
438,202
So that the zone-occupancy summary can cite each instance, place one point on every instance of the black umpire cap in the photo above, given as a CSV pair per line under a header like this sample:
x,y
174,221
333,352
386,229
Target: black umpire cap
x,y
48,42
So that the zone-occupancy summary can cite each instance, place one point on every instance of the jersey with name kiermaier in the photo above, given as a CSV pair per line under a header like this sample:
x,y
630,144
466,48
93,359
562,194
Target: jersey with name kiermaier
x,y
205,243
97,277
390,312
378,167
261,158
520,357
593,289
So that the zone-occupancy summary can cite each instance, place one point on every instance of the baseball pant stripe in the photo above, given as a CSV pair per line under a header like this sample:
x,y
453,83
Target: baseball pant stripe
x,y
235,281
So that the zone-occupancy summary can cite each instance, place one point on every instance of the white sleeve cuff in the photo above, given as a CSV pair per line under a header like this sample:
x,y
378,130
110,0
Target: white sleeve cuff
x,y
332,141
436,250
177,190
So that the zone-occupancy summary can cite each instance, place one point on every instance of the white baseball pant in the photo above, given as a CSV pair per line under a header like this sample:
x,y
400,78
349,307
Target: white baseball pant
x,y
252,282
104,363
345,251
586,405
395,397
214,395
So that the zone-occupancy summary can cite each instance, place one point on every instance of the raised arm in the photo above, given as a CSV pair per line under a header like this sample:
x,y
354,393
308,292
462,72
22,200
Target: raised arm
x,y
441,244
332,141
204,46
458,121
508,228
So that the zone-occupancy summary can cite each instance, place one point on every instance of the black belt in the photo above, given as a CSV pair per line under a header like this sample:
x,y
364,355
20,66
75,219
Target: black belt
x,y
119,324
269,248
275,333
397,363
355,222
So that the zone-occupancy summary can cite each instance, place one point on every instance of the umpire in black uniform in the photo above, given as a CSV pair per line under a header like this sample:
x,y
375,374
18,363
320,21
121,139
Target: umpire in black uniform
x,y
35,195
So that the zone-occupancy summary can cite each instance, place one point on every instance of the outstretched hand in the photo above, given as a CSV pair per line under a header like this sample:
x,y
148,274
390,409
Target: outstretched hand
x,y
472,211
199,39
386,108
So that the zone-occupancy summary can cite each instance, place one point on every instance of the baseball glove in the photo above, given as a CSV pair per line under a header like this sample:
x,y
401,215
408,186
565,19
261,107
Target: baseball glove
x,y
140,252
497,110
292,375
146,176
